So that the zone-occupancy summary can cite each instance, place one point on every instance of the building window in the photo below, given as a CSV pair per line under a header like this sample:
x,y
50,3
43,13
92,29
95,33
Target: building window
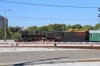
x,y
99,35
91,35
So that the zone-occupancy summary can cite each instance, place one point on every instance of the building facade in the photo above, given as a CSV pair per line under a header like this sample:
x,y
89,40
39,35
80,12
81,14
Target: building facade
x,y
2,20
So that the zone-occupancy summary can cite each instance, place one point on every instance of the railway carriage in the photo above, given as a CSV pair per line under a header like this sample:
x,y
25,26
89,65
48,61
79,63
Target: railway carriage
x,y
94,35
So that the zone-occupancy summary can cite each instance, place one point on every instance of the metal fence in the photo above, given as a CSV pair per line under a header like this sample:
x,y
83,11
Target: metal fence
x,y
59,42
51,42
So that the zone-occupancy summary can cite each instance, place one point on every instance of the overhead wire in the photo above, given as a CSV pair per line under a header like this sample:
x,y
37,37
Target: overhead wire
x,y
44,4
33,18
60,19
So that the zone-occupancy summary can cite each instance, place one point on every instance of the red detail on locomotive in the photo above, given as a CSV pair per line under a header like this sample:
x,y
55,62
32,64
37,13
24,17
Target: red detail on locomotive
x,y
80,34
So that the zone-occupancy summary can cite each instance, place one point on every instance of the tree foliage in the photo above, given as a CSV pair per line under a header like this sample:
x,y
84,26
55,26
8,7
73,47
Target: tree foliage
x,y
14,32
68,27
32,28
15,35
97,26
87,27
76,26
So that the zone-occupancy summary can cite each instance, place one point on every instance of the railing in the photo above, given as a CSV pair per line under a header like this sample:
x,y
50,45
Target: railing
x,y
59,42
51,42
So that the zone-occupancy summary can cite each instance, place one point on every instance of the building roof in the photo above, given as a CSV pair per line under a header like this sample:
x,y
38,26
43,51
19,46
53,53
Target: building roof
x,y
1,17
94,31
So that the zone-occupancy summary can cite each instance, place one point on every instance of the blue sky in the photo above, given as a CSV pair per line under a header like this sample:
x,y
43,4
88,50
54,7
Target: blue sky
x,y
43,15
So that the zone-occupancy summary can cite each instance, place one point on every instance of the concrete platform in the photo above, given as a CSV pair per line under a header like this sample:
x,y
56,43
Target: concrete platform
x,y
38,57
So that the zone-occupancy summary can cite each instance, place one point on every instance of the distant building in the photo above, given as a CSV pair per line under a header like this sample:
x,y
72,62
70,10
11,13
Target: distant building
x,y
2,22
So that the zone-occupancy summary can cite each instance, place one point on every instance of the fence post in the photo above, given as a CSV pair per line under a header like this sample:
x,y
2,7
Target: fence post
x,y
76,43
46,43
55,44
30,43
22,43
38,44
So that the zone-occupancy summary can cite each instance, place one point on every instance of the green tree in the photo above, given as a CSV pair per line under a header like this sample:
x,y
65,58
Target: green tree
x,y
43,28
50,28
97,26
87,27
60,27
13,32
63,27
76,26
2,31
9,28
16,35
9,34
1,34
32,28
68,27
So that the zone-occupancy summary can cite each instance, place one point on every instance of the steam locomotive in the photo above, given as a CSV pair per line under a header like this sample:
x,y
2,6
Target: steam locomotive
x,y
57,36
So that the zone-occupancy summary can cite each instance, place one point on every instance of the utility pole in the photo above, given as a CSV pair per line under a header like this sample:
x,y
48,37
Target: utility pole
x,y
99,22
5,24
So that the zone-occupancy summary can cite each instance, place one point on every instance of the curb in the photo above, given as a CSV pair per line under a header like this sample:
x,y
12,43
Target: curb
x,y
49,62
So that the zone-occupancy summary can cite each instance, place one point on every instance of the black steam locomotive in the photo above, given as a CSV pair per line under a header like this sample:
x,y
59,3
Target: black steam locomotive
x,y
55,36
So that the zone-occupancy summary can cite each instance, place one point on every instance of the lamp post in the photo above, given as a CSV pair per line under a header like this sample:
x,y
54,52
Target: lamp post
x,y
99,22
5,24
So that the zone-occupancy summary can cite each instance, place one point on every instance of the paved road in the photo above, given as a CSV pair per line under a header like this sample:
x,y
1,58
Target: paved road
x,y
48,55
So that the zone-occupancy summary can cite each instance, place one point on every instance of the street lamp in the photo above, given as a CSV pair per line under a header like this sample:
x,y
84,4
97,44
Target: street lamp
x,y
99,22
5,24
99,14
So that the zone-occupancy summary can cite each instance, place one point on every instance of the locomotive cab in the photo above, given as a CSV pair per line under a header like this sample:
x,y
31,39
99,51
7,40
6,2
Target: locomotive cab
x,y
58,35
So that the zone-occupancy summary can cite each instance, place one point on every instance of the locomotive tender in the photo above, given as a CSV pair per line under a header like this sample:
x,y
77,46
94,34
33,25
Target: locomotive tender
x,y
64,36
